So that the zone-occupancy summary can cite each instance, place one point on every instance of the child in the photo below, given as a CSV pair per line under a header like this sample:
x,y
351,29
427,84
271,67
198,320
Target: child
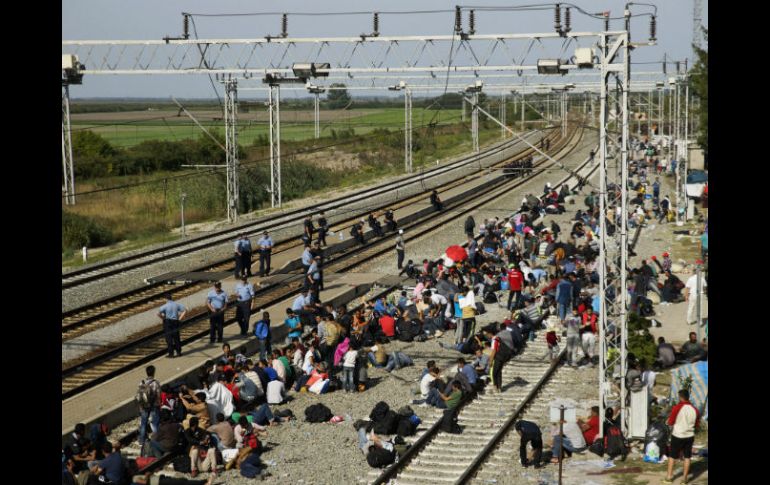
x,y
349,368
552,339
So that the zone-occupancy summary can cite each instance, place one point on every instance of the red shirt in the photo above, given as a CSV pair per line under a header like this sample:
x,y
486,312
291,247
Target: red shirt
x,y
592,320
235,390
388,325
551,286
515,279
593,430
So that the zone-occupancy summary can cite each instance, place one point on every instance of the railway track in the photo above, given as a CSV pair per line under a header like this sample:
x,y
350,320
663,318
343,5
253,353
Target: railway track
x,y
487,449
439,457
84,319
97,271
82,374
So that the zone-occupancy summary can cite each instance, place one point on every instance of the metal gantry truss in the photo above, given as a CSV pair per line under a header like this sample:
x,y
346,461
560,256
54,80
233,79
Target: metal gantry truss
x,y
274,109
231,147
68,173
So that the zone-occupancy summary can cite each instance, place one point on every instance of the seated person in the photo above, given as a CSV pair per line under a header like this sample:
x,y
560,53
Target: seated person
x,y
573,441
672,288
397,360
111,467
276,392
196,407
691,350
202,453
441,401
666,355
165,439
377,354
223,432
590,427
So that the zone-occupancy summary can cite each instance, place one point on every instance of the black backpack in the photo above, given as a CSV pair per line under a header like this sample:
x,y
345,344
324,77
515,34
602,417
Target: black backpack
x,y
480,310
181,464
489,297
317,413
614,443
388,424
404,331
378,457
405,427
449,422
379,411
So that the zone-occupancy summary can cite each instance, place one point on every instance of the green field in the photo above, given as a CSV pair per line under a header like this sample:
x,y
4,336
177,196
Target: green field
x,y
124,129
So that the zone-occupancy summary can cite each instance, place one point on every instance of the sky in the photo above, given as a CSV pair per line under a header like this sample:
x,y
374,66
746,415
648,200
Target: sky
x,y
154,19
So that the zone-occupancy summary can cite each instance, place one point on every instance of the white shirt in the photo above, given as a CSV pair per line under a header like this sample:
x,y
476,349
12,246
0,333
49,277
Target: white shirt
x,y
692,283
350,359
575,435
684,426
438,299
298,357
279,369
425,385
307,365
275,392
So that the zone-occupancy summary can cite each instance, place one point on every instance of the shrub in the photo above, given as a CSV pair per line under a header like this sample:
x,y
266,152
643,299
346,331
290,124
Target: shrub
x,y
78,231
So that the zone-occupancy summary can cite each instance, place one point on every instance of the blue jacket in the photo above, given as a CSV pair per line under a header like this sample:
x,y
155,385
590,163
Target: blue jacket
x,y
564,292
262,329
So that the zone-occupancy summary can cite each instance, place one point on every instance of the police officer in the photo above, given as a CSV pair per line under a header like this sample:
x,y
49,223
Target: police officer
x,y
238,256
318,251
323,228
400,248
245,292
265,245
307,236
246,255
170,314
313,277
307,258
216,301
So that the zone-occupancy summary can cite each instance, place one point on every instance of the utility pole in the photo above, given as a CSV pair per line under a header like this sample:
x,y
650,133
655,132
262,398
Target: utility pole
x,y
66,147
564,113
475,122
407,130
317,113
231,147
503,133
274,110
523,108
184,231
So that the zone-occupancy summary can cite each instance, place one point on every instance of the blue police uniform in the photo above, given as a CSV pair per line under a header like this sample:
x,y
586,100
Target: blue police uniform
x,y
265,246
244,292
170,313
218,301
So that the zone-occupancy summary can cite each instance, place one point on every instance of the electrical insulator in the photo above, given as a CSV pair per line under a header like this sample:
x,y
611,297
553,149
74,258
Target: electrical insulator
x,y
458,20
284,26
472,23
557,18
376,24
652,29
567,20
186,26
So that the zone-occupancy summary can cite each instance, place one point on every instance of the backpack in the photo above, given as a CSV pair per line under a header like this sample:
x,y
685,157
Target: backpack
x,y
405,427
449,422
146,397
489,297
379,457
404,331
388,424
317,413
614,443
181,464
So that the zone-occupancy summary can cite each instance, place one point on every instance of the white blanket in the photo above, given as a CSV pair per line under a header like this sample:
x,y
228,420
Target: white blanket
x,y
219,400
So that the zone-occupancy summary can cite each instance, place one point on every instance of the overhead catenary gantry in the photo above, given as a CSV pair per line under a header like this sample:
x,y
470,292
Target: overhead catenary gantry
x,y
417,57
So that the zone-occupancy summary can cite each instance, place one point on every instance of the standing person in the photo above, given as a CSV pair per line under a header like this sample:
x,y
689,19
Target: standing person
x,y
530,433
170,314
572,324
319,252
246,255
470,226
685,420
262,332
500,354
656,188
265,245
307,235
691,296
216,301
400,248
148,398
313,277
244,292
588,333
238,256
307,257
436,201
323,228
564,296
515,281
